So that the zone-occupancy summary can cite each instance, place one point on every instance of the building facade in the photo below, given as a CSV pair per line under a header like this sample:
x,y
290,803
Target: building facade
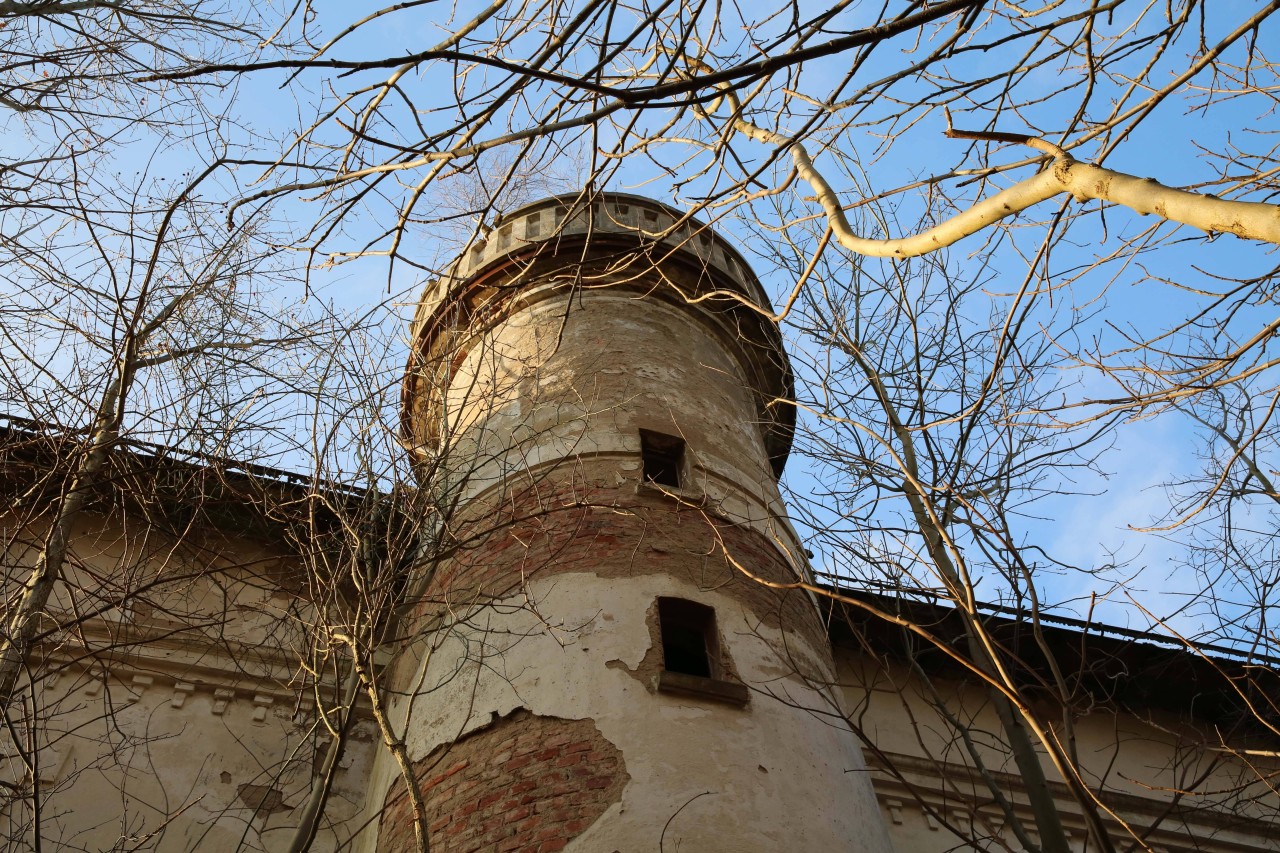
x,y
609,638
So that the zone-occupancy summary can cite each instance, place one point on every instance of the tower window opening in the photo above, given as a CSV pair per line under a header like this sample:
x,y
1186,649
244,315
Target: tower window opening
x,y
688,637
663,457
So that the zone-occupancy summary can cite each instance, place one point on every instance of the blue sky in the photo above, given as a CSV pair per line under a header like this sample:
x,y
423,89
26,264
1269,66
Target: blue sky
x,y
1092,526
1088,528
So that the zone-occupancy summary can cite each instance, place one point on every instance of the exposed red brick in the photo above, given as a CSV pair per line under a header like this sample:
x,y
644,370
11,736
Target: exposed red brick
x,y
537,805
579,518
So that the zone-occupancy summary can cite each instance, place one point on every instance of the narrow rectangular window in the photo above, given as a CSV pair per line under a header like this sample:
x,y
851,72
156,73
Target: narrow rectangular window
x,y
688,637
663,458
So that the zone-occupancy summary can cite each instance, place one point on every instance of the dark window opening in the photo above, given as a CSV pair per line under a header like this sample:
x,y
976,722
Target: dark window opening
x,y
663,457
688,637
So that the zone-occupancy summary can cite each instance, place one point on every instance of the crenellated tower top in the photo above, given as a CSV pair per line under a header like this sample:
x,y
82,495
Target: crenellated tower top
x,y
623,242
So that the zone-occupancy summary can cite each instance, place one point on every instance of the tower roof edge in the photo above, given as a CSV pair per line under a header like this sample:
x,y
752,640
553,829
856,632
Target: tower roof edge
x,y
494,270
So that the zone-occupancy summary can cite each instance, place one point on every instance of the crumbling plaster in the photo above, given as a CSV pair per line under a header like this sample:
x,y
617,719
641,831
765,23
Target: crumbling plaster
x,y
551,369
778,777
579,377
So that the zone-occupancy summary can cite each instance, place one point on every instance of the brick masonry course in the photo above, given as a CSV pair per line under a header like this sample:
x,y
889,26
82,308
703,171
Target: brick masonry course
x,y
525,784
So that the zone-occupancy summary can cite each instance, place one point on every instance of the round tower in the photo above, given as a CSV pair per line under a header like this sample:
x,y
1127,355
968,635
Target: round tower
x,y
605,655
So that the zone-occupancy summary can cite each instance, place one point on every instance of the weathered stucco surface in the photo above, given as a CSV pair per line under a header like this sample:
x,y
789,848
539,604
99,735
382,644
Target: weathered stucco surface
x,y
169,723
565,379
1142,758
762,777
551,369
